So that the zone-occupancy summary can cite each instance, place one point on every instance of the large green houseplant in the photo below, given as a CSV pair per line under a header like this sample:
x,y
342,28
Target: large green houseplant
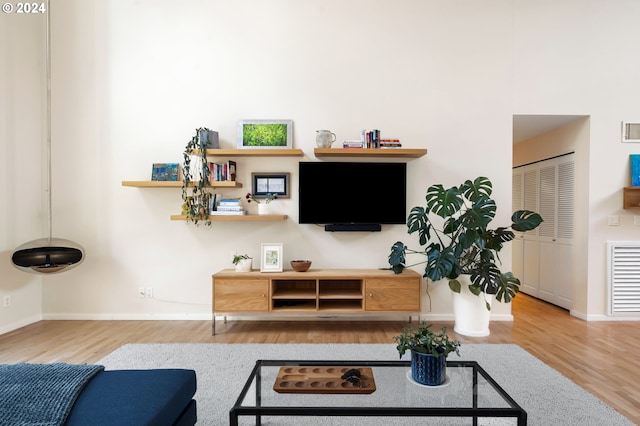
x,y
454,231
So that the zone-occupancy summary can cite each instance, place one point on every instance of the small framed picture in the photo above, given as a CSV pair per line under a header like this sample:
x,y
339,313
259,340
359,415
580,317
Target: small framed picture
x,y
271,259
265,134
270,183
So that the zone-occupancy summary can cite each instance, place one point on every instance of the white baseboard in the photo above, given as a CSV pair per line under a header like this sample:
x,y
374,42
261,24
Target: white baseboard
x,y
19,324
127,317
450,317
601,317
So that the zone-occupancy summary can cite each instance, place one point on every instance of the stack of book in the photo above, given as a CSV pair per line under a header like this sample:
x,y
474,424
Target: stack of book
x,y
229,206
222,171
352,144
390,143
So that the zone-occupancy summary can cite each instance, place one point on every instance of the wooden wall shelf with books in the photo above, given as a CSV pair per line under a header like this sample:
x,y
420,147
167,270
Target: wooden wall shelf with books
x,y
248,217
176,184
370,152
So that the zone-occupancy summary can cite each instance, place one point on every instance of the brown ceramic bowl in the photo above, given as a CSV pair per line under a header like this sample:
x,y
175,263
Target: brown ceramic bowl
x,y
300,265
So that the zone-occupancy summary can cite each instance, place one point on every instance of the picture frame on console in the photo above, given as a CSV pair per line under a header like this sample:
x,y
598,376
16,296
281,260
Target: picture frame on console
x,y
263,184
271,257
265,134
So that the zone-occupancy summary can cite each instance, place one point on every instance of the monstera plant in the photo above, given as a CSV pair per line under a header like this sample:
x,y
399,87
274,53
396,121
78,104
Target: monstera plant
x,y
454,231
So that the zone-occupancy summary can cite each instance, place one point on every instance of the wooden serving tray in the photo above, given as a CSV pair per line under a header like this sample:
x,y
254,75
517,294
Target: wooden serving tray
x,y
318,379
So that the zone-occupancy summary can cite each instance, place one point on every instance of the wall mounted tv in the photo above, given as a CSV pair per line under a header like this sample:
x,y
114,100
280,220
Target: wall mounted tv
x,y
349,196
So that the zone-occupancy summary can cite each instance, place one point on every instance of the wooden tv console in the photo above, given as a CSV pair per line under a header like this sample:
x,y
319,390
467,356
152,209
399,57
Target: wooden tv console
x,y
315,292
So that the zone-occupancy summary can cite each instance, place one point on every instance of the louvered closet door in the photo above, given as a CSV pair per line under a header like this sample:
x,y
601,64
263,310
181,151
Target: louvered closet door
x,y
564,233
546,254
531,274
529,278
547,289
517,203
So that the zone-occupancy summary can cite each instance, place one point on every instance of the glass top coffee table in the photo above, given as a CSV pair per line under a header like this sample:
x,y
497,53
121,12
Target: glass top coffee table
x,y
468,394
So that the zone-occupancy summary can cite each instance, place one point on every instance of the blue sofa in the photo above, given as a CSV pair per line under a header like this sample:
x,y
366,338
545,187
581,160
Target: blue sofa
x,y
137,397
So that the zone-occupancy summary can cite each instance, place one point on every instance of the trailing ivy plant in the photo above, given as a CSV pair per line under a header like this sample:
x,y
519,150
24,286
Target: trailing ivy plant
x,y
196,194
465,244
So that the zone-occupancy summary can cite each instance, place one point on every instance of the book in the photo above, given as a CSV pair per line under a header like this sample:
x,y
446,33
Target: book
x,y
230,213
231,170
165,171
229,208
222,171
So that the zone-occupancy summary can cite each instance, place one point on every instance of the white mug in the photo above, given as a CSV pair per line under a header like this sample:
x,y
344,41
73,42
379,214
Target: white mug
x,y
324,138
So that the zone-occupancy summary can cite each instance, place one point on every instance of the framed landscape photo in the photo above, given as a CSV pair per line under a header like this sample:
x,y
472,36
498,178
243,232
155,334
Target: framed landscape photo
x,y
263,184
265,134
271,258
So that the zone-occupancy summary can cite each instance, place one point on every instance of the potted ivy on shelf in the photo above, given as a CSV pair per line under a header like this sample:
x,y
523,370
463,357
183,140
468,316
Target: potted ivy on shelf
x,y
197,193
429,351
454,233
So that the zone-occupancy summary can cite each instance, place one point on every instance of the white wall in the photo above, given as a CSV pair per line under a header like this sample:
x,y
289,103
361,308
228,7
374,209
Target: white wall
x,y
572,57
133,79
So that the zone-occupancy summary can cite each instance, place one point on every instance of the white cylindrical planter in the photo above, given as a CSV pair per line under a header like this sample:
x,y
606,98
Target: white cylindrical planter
x,y
263,208
244,265
470,311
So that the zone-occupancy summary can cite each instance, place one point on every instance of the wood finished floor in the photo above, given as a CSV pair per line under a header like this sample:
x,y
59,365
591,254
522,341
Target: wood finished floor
x,y
602,357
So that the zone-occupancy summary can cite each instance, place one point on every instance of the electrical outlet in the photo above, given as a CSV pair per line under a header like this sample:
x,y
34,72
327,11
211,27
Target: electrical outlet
x,y
148,292
6,301
141,292
613,220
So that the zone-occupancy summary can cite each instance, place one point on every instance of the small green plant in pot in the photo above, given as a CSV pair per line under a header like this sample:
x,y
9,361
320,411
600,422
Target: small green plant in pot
x,y
243,262
454,231
429,351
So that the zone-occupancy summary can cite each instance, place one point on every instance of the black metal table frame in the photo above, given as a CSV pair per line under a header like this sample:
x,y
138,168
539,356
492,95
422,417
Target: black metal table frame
x,y
475,412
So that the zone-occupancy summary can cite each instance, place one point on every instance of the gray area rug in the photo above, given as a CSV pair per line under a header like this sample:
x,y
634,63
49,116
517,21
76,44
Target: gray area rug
x,y
222,369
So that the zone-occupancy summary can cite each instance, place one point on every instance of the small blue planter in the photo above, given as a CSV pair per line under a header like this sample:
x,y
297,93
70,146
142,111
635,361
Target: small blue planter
x,y
427,369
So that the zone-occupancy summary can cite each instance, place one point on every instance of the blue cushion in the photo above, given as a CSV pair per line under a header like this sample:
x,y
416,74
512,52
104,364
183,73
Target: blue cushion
x,y
134,397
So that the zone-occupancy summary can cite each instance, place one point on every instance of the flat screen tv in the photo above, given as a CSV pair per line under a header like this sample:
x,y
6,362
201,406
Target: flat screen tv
x,y
349,196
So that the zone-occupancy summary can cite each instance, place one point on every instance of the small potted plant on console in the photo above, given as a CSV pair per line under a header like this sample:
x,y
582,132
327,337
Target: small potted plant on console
x,y
243,262
429,351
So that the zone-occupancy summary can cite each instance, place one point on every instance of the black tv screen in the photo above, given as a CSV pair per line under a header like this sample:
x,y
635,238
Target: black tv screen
x,y
352,193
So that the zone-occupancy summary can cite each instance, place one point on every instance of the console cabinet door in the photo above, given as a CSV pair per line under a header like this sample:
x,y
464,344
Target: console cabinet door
x,y
391,295
240,295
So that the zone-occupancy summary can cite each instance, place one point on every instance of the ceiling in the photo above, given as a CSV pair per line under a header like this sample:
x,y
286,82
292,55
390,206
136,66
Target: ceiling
x,y
529,126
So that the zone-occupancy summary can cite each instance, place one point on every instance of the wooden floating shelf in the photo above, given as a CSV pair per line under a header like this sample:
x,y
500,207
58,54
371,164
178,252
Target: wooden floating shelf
x,y
270,152
631,198
250,217
177,184
370,152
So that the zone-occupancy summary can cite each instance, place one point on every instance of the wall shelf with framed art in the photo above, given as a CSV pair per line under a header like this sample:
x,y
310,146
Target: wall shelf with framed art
x,y
255,152
631,194
175,184
246,152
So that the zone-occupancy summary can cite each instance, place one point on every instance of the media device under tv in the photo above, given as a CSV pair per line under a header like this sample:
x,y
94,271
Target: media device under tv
x,y
350,196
